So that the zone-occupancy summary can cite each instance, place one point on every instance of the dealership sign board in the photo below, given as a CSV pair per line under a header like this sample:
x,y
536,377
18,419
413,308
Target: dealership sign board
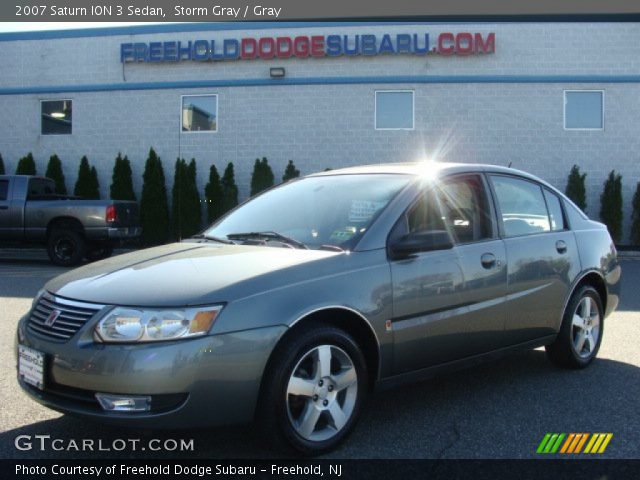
x,y
314,46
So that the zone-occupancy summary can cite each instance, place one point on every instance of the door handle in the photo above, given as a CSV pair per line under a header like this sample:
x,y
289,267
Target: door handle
x,y
488,260
561,246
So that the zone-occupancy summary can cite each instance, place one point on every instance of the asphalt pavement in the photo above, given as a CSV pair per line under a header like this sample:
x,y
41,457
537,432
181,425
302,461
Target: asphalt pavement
x,y
497,410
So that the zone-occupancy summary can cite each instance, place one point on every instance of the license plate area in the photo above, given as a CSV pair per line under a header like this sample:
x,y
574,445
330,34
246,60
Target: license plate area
x,y
31,366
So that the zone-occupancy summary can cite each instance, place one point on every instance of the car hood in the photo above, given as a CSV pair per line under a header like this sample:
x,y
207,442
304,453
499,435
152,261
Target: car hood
x,y
184,274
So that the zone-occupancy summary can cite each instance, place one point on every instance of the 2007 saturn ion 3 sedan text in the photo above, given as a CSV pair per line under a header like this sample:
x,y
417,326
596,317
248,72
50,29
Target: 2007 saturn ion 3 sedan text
x,y
294,305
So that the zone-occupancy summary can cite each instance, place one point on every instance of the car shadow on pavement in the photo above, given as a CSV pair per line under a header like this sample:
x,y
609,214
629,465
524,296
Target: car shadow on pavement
x,y
500,409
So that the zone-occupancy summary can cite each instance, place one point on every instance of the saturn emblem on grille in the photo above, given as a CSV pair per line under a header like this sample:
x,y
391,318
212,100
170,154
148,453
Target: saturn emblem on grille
x,y
51,319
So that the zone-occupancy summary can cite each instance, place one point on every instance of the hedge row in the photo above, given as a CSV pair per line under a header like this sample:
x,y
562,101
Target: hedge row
x,y
221,193
158,224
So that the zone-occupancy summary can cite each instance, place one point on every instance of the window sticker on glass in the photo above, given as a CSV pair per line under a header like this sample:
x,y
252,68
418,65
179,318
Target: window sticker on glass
x,y
363,210
343,234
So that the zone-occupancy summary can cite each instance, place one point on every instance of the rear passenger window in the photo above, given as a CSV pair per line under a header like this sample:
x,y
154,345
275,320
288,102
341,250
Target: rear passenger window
x,y
555,211
522,206
4,189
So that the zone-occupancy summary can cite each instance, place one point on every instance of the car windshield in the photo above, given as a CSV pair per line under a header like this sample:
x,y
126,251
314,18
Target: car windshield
x,y
319,212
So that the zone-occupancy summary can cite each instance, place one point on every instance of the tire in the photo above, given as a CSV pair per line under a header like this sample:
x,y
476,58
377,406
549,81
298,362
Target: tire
x,y
66,248
324,394
579,338
98,252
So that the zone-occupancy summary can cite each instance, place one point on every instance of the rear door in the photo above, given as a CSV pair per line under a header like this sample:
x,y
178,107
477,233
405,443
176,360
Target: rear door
x,y
541,256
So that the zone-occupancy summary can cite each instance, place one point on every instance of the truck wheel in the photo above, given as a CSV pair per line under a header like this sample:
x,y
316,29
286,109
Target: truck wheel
x,y
65,248
98,252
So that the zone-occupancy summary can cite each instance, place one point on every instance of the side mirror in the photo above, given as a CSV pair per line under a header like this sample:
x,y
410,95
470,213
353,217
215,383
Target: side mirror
x,y
413,243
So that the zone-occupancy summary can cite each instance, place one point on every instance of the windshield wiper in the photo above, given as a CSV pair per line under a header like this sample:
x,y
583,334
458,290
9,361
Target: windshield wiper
x,y
201,236
268,236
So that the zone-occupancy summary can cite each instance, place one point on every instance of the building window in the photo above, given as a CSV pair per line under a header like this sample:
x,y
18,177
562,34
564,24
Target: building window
x,y
200,113
56,117
584,109
394,110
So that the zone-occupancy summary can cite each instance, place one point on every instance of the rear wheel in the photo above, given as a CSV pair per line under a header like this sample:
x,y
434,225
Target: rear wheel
x,y
313,390
581,332
65,248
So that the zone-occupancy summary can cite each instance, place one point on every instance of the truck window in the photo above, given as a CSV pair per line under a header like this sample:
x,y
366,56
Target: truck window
x,y
4,189
41,187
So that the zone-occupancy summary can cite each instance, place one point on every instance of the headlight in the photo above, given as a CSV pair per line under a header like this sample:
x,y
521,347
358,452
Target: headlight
x,y
150,325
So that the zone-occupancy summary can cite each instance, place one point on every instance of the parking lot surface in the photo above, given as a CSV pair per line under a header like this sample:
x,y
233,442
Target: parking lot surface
x,y
497,410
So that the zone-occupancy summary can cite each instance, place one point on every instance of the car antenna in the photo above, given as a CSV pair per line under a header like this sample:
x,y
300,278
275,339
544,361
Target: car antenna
x,y
509,164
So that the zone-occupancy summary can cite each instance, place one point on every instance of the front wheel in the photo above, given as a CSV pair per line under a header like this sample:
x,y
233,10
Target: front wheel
x,y
314,388
580,335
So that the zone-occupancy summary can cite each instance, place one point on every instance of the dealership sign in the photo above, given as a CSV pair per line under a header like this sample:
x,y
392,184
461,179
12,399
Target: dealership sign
x,y
315,46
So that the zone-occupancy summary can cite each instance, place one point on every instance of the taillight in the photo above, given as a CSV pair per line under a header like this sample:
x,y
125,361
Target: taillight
x,y
112,216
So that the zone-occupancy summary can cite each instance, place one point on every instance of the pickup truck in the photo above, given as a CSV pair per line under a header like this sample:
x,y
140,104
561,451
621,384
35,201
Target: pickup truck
x,y
71,228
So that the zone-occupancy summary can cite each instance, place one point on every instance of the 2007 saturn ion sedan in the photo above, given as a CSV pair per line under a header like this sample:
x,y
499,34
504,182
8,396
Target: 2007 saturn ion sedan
x,y
294,305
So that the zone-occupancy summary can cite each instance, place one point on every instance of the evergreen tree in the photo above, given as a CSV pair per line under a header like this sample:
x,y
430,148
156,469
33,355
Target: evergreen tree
x,y
121,180
1,166
87,183
262,177
290,172
214,196
94,184
154,210
576,189
26,165
177,198
54,172
185,207
194,207
229,189
635,217
611,205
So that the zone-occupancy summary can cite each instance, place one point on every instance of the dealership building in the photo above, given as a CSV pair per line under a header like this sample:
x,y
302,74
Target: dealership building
x,y
538,96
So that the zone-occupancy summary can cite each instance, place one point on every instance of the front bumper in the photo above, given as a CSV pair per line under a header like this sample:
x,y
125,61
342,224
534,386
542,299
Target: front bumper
x,y
207,381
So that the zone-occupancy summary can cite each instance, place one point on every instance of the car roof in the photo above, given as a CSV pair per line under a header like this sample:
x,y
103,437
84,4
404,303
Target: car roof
x,y
430,168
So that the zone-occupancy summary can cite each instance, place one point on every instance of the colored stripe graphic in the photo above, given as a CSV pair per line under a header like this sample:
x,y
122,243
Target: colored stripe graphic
x,y
574,442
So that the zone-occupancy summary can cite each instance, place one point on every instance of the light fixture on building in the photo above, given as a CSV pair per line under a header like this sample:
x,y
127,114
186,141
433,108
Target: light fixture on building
x,y
58,115
276,72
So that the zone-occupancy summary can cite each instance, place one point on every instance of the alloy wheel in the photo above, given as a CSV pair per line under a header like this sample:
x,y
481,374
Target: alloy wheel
x,y
585,329
321,393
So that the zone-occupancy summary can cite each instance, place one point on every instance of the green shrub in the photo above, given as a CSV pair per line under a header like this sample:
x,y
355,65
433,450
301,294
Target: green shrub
x,y
54,172
154,210
26,165
611,205
229,189
290,172
576,189
185,205
121,181
87,185
214,196
1,166
262,177
635,217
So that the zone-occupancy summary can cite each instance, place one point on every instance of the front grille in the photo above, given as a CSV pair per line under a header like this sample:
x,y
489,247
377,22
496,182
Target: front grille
x,y
71,317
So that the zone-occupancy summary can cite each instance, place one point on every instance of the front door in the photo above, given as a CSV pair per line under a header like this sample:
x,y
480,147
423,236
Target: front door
x,y
448,304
